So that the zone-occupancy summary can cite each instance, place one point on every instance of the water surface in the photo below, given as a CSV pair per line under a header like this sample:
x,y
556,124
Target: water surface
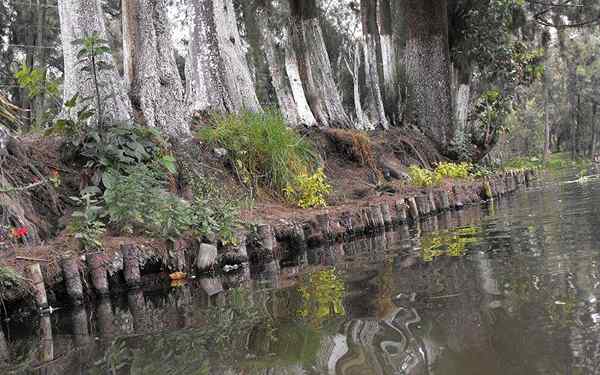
x,y
506,288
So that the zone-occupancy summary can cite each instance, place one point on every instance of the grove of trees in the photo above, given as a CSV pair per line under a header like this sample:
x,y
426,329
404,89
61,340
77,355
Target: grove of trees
x,y
460,72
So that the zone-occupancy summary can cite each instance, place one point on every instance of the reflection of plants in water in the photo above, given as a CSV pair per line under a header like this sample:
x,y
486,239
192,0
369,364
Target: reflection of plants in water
x,y
385,290
452,243
322,295
186,351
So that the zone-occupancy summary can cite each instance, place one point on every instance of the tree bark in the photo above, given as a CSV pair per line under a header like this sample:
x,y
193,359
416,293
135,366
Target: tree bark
x,y
78,19
283,68
374,100
389,59
546,87
428,69
314,67
354,71
217,73
150,68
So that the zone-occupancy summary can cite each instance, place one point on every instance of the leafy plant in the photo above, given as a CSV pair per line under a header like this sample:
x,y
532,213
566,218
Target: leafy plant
x,y
37,84
214,213
309,190
423,177
453,170
90,56
262,149
87,225
139,200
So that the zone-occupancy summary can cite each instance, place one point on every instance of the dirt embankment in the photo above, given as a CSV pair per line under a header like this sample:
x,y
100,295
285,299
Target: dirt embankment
x,y
362,170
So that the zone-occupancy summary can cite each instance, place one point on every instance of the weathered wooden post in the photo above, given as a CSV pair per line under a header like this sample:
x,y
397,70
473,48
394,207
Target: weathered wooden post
x,y
444,200
79,322
401,211
34,273
105,317
433,209
386,214
46,350
97,266
423,204
266,238
70,268
376,217
324,226
207,257
131,266
413,208
347,223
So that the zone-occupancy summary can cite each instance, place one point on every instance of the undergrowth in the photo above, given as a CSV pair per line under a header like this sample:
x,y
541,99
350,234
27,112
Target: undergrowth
x,y
265,152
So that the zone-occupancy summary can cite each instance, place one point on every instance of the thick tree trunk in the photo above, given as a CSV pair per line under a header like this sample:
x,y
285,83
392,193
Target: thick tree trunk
x,y
217,72
314,67
78,19
283,68
374,100
594,131
389,59
428,70
150,69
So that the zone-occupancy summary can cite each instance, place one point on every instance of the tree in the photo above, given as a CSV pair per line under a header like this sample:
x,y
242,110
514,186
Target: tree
x,y
218,77
313,65
150,68
375,109
80,19
282,66
429,104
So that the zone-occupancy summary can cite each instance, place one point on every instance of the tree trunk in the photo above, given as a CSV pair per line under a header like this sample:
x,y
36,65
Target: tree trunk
x,y
150,69
354,70
388,63
283,68
594,131
375,108
428,69
78,19
314,67
217,73
546,87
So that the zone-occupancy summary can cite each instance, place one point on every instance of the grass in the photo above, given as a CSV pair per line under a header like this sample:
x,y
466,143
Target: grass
x,y
555,162
263,150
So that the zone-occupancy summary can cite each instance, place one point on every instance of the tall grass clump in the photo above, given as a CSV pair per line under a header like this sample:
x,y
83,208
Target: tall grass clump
x,y
263,150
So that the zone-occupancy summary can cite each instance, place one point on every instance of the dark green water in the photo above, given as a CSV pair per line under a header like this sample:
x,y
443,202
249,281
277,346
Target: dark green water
x,y
506,288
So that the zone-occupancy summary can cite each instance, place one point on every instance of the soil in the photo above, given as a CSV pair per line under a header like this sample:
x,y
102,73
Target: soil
x,y
360,169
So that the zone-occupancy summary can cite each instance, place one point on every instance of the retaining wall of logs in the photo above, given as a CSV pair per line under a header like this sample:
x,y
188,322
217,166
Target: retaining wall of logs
x,y
95,275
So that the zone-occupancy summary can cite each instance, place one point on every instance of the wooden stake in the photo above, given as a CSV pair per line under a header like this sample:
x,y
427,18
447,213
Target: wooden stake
x,y
34,273
97,265
70,268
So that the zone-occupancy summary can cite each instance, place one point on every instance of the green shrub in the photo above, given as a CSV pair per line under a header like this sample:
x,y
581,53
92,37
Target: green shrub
x,y
309,190
453,170
87,225
263,150
423,177
139,200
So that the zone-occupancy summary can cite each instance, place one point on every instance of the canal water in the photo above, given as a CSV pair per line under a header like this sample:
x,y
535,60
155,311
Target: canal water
x,y
510,287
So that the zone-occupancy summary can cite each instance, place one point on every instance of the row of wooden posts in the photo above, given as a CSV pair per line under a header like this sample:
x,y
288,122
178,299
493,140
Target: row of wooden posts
x,y
96,265
322,228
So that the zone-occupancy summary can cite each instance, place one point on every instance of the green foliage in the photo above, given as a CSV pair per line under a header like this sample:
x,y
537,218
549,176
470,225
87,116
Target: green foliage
x,y
36,84
10,279
214,212
87,225
139,200
262,149
309,190
422,177
90,56
454,170
322,295
73,126
451,243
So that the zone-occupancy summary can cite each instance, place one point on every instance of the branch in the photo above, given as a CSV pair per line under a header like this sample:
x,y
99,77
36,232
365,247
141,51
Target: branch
x,y
24,188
